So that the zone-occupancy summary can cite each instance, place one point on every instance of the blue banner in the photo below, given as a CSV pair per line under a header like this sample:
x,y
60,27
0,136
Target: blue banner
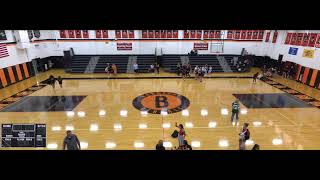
x,y
293,51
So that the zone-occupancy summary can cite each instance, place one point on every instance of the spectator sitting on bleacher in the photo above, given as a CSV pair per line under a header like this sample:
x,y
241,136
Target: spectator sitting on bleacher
x,y
151,68
135,67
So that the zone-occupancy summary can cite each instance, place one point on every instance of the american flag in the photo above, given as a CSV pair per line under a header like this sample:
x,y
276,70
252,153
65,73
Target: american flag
x,y
3,51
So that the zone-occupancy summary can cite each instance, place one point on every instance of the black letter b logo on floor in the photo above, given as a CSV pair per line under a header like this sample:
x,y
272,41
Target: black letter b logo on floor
x,y
161,101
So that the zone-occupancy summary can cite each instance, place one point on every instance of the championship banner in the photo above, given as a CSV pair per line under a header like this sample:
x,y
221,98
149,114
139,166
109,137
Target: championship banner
x,y
288,38
308,53
124,46
98,33
255,34
71,33
124,34
275,36
63,34
294,39
186,34
144,34
104,33
230,34
312,40
293,51
305,39
169,33
237,35
200,46
163,34
205,34
193,34
199,34
299,39
217,34
150,34
249,34
85,34
260,36
318,41
78,33
157,34
131,33
211,34
243,34
267,37
175,34
118,34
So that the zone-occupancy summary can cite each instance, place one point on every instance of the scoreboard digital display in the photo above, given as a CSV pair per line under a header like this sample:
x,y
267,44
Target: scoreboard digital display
x,y
23,135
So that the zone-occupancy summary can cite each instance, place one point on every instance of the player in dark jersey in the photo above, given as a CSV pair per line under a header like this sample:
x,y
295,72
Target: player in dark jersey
x,y
235,110
60,81
52,81
255,76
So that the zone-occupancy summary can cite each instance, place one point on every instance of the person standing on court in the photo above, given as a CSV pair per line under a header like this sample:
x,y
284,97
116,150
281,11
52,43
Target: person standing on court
x,y
71,142
52,81
244,136
114,69
181,134
255,76
158,67
235,110
136,67
178,69
60,81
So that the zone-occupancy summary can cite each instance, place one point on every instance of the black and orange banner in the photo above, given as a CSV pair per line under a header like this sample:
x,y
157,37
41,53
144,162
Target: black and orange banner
x,y
16,73
201,46
124,46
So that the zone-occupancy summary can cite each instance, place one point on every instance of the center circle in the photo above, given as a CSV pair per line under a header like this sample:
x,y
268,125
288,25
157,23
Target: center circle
x,y
155,102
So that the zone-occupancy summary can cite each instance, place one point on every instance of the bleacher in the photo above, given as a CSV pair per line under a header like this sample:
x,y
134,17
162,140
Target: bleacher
x,y
121,61
79,63
144,62
229,58
202,60
169,62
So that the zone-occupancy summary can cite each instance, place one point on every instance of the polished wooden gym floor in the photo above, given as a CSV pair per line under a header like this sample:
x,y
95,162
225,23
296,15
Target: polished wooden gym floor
x,y
106,118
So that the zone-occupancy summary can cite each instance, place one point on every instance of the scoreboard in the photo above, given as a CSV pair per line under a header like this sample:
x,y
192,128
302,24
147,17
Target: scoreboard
x,y
23,135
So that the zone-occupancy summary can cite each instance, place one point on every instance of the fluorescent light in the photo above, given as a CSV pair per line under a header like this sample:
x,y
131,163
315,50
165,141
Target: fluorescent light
x,y
102,113
195,144
277,141
189,124
110,145
70,113
117,126
223,143
56,128
234,123
81,114
144,113
84,145
167,144
143,126
94,127
204,112
69,128
249,142
166,125
257,123
212,124
52,146
243,111
224,111
185,112
164,113
123,113
300,147
138,144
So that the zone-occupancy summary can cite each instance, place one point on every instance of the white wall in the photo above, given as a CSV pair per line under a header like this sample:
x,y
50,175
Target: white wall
x,y
48,46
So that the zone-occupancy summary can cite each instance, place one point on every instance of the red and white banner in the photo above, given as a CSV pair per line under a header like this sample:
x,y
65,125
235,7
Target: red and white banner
x,y
317,44
217,34
144,34
63,34
275,37
124,34
299,39
255,34
163,34
78,33
71,33
267,37
98,33
124,46
200,46
211,34
288,38
230,34
294,39
312,40
175,34
249,34
186,34
193,34
169,33
305,40
243,34
261,33
118,34
150,34
131,33
85,34
104,33
237,35
157,34
205,34
199,34
3,51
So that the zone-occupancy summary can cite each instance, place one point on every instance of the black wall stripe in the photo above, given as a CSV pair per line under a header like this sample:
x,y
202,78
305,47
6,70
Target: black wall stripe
x,y
301,72
317,82
6,73
1,86
30,69
22,71
15,73
309,76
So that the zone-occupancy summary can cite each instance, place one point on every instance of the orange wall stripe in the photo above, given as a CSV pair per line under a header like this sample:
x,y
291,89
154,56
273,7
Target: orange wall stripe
x,y
305,74
19,72
313,77
3,78
11,75
25,69
298,73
